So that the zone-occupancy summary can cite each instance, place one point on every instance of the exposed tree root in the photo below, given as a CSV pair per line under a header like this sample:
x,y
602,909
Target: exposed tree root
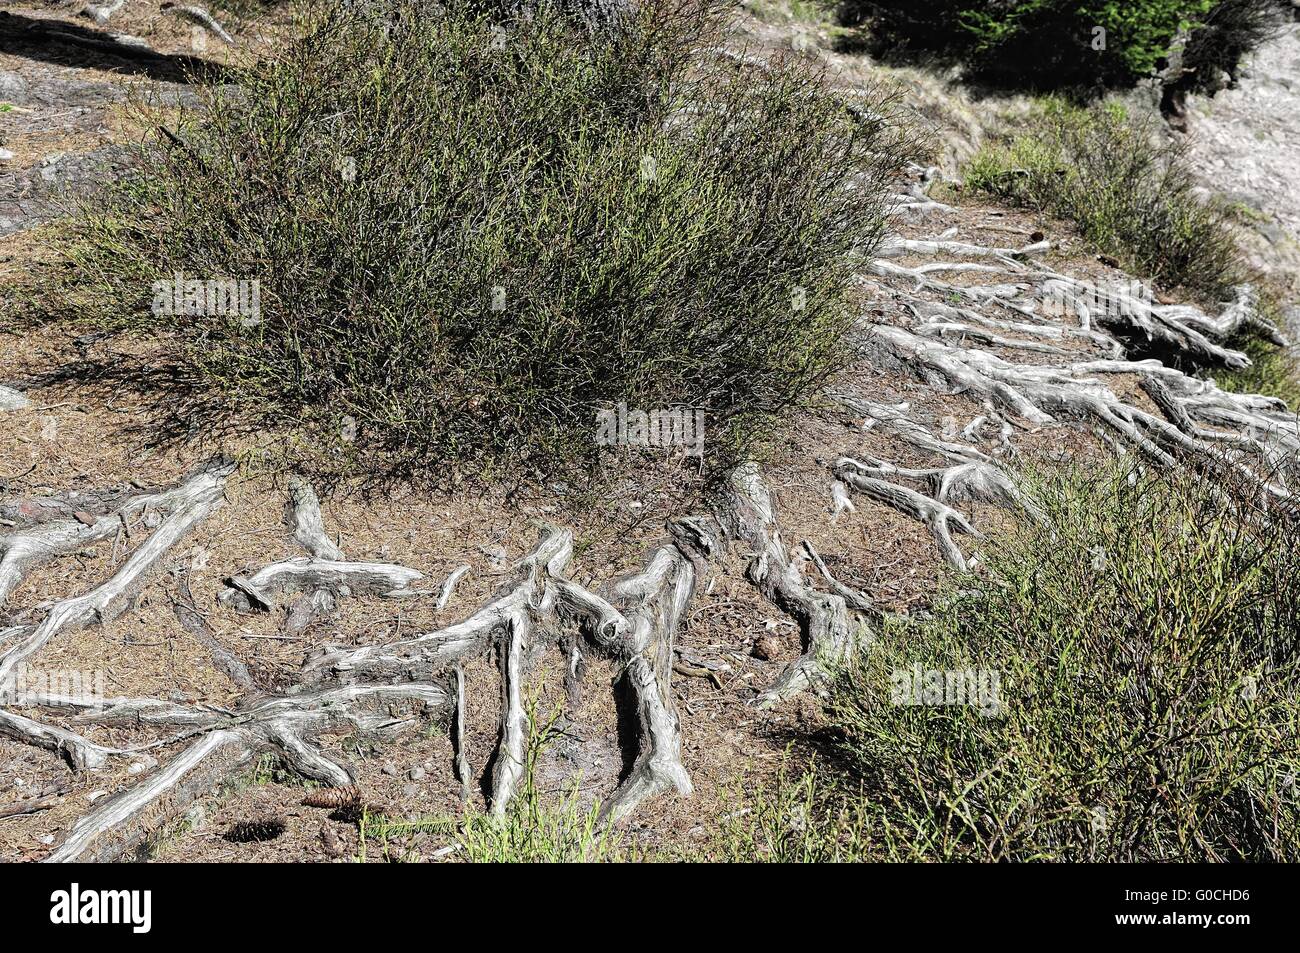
x,y
22,551
303,574
1042,395
191,503
829,635
341,689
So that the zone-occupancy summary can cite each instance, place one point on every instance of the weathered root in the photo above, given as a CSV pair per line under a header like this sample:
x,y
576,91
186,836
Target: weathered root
x,y
101,14
1041,395
191,504
22,551
539,597
199,17
829,636
655,602
80,753
304,518
509,767
899,247
340,688
463,773
304,574
1181,328
449,585
42,800
938,517
192,620
226,741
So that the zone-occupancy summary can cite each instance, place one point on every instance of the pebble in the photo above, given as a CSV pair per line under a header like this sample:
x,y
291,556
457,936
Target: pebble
x,y
390,770
416,774
410,790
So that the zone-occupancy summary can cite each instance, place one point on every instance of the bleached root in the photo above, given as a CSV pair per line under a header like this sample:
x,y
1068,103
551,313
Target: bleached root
x,y
24,550
355,690
509,768
200,17
81,753
655,603
304,518
899,247
1180,328
304,574
102,14
11,399
1246,426
830,637
189,505
225,742
938,517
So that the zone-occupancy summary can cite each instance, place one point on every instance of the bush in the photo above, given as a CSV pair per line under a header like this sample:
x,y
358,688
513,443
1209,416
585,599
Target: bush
x,y
1053,44
469,236
1144,641
1131,195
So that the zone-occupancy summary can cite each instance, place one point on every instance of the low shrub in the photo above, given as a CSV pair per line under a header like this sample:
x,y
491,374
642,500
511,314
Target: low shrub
x,y
1130,192
470,234
1142,705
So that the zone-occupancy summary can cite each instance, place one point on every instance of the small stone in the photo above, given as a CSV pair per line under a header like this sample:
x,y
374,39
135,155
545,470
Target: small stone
x,y
46,839
410,790
348,428
416,774
390,770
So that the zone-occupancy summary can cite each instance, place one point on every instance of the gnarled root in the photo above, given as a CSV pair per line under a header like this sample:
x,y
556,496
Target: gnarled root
x,y
829,636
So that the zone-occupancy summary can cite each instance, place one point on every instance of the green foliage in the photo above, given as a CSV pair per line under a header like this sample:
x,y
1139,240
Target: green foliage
x,y
1146,639
533,831
1274,371
1131,196
1053,44
801,816
647,218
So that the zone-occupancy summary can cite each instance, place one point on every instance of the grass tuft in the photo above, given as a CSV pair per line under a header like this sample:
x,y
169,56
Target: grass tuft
x,y
1132,196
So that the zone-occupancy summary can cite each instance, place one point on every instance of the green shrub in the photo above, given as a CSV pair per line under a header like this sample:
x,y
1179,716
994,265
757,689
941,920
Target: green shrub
x,y
1144,639
469,236
1054,44
1130,195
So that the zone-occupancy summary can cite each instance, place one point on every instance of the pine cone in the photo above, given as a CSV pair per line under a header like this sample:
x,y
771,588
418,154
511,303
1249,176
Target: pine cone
x,y
348,796
256,829
767,648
